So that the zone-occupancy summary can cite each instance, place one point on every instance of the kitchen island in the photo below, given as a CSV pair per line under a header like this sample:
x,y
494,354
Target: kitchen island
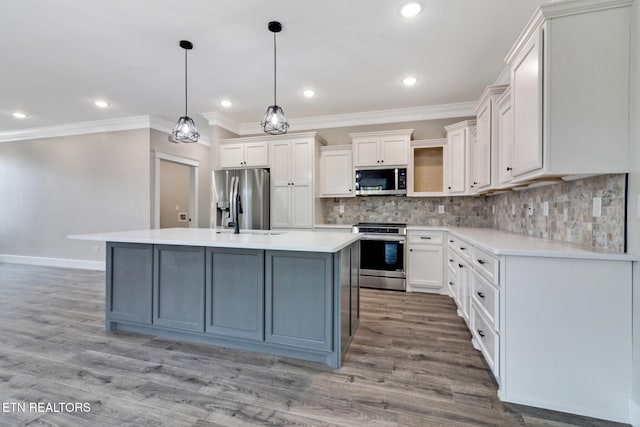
x,y
289,293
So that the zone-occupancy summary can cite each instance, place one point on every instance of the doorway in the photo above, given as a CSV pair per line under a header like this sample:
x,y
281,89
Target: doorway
x,y
175,191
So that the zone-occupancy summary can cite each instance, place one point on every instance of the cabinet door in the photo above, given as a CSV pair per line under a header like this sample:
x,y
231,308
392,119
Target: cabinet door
x,y
526,84
456,151
235,293
336,171
481,176
129,282
394,151
256,154
302,184
298,299
280,197
366,152
178,287
505,137
231,156
426,266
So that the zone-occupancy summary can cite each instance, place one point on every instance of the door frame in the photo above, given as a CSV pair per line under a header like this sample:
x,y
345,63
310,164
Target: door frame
x,y
193,186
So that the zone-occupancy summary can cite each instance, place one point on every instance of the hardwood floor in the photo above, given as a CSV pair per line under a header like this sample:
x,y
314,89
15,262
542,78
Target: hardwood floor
x,y
411,364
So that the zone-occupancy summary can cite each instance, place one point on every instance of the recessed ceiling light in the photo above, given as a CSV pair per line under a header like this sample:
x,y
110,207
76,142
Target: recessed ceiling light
x,y
100,103
19,115
225,103
410,10
309,93
409,81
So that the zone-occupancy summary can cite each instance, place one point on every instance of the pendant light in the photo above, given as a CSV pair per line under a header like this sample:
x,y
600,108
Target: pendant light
x,y
274,122
185,130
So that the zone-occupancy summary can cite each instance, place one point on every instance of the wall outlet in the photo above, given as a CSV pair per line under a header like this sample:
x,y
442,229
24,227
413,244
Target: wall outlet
x,y
597,206
440,209
513,208
96,249
545,208
341,208
493,209
177,208
530,209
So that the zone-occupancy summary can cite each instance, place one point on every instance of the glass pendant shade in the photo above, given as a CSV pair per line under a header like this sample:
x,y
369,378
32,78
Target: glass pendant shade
x,y
274,122
185,130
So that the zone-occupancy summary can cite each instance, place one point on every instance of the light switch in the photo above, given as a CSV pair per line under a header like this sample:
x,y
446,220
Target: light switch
x,y
440,209
597,206
341,208
513,208
545,208
493,209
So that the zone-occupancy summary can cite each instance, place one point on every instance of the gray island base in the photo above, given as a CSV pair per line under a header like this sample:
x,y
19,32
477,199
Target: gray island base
x,y
296,303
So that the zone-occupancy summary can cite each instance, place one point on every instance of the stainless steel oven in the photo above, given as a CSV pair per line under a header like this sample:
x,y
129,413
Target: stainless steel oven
x,y
382,255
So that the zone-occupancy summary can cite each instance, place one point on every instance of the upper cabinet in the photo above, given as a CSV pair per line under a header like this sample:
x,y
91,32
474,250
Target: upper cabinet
x,y
460,136
336,171
570,90
293,168
425,174
389,148
505,139
235,155
485,147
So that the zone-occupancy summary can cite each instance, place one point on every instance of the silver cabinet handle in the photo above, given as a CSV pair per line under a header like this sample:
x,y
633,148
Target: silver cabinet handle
x,y
425,237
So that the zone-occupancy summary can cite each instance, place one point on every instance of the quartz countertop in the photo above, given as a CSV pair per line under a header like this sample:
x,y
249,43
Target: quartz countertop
x,y
282,240
503,243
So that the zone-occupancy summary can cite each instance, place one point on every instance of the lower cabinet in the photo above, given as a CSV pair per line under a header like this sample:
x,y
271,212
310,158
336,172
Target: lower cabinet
x,y
425,269
235,293
178,287
298,297
129,283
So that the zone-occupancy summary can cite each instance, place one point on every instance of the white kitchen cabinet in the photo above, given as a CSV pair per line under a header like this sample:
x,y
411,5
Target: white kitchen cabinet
x,y
547,321
485,144
425,174
293,165
425,266
457,156
235,155
570,90
388,148
336,171
505,139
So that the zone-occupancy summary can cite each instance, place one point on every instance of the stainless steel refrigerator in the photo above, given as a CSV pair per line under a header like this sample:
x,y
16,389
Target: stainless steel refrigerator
x,y
253,188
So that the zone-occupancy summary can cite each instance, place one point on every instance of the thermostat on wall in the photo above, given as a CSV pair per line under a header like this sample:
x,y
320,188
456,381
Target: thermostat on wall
x,y
183,217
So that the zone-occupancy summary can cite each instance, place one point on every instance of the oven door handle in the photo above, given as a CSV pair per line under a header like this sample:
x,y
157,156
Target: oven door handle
x,y
386,238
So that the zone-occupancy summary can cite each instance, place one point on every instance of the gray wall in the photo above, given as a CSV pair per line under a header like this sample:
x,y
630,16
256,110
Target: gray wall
x,y
174,193
160,142
633,222
50,188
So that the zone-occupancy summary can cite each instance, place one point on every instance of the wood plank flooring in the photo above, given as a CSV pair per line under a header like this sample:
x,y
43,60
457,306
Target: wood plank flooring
x,y
411,364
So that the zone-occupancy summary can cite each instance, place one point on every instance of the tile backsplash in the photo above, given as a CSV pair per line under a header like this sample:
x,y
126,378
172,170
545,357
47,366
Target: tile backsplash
x,y
569,219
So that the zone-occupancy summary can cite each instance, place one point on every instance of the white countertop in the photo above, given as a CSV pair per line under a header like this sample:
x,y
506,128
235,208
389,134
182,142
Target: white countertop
x,y
503,243
281,240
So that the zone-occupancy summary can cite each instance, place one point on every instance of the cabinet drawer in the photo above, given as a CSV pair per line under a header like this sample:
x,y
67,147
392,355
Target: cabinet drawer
x,y
488,298
425,237
486,264
486,338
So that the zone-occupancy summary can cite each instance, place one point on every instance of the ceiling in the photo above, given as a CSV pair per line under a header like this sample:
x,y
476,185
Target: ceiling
x,y
58,56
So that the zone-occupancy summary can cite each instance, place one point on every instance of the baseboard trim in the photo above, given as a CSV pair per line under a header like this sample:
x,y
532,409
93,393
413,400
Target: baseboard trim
x,y
634,413
53,262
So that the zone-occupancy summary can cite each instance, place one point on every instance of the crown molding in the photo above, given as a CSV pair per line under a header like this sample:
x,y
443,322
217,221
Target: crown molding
x,y
488,92
216,118
445,111
98,126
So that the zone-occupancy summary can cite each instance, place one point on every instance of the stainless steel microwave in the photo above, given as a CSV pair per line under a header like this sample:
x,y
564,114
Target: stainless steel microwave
x,y
381,182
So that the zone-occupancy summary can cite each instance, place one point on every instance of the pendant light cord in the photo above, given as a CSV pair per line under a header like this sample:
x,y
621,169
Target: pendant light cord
x,y
185,83
274,69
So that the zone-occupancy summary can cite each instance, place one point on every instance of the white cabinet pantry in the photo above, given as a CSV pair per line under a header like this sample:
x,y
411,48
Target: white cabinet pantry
x,y
425,267
570,90
293,166
457,156
236,155
485,146
388,148
336,171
